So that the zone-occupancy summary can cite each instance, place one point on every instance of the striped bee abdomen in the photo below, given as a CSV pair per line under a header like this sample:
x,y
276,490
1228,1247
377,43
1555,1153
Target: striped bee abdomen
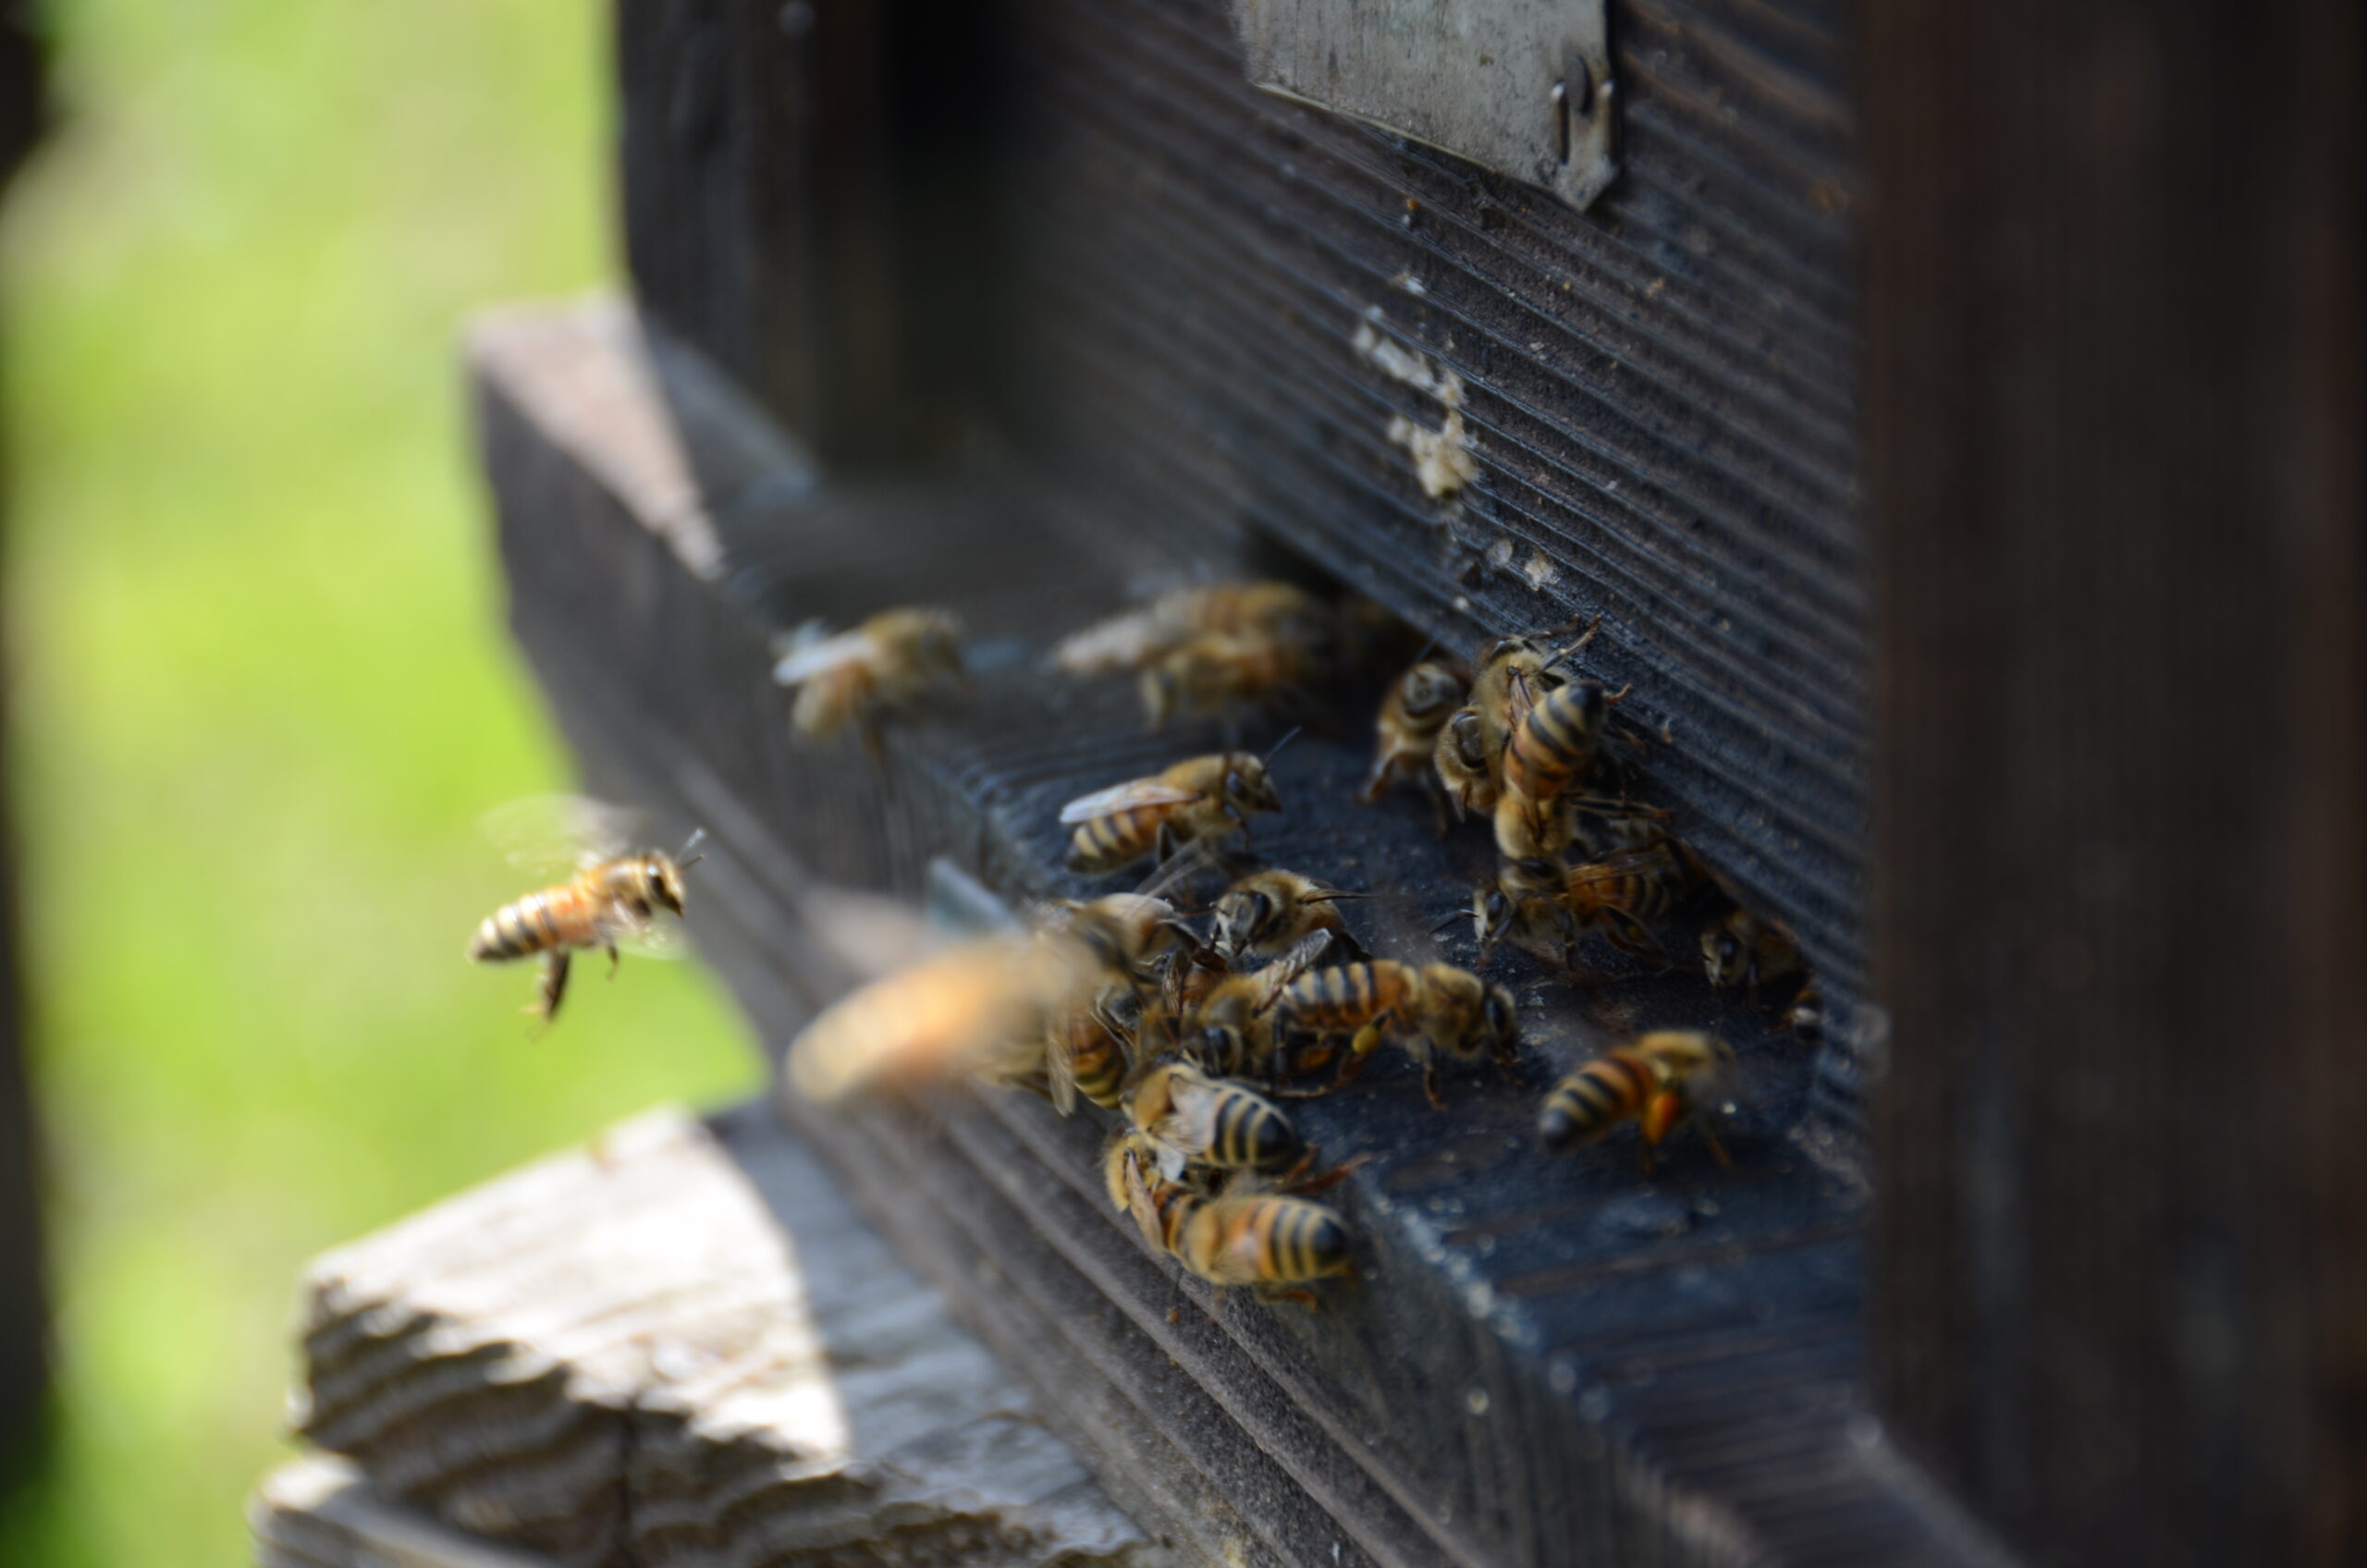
x,y
1105,843
1298,1240
536,924
1556,743
1595,1099
1251,1133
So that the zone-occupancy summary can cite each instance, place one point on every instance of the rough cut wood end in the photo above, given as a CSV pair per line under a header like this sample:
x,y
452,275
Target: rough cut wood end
x,y
648,1352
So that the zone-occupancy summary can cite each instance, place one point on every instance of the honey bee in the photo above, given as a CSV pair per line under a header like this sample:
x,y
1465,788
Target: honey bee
x,y
1140,637
1656,1080
1417,707
1433,1009
1200,798
986,1008
611,902
1229,1031
1553,750
1273,1243
1217,672
893,661
1515,672
1743,949
1192,1120
1091,1051
1625,895
1129,1170
1269,911
1137,937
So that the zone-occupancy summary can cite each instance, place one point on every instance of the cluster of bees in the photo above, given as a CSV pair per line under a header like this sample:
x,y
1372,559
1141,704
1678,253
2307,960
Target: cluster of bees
x,y
1195,1023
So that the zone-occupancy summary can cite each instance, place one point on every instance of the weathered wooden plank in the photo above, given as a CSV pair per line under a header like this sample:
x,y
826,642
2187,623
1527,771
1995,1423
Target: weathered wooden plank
x,y
679,1346
320,1511
1509,1383
2116,380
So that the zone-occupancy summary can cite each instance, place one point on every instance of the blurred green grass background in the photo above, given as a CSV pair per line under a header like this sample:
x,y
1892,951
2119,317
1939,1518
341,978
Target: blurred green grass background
x,y
262,694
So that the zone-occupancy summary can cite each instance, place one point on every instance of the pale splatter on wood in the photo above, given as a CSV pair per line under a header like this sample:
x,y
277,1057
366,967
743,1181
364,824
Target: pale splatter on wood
x,y
648,1352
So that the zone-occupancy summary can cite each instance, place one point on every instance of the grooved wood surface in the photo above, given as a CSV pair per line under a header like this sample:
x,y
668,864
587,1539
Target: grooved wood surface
x,y
679,1346
1546,1361
1227,316
319,1511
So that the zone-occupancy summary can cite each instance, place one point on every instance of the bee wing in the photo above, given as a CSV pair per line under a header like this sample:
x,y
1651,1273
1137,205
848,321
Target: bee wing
x,y
1126,797
629,931
806,658
1190,1125
554,835
1296,960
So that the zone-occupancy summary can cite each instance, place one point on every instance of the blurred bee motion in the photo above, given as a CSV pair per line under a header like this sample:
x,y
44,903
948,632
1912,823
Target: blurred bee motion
x,y
890,664
1210,650
1655,1079
611,902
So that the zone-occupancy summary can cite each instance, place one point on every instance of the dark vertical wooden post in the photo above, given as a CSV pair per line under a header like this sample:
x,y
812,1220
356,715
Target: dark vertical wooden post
x,y
24,1312
804,201
2114,342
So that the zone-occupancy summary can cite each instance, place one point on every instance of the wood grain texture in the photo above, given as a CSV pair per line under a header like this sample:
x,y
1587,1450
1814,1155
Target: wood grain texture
x,y
2116,360
679,1346
319,1511
1185,296
1547,1361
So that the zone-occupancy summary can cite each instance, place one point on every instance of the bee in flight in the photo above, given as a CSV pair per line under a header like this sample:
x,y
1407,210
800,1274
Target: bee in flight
x,y
1139,638
990,1009
1656,1080
611,902
892,662
1198,799
1433,1009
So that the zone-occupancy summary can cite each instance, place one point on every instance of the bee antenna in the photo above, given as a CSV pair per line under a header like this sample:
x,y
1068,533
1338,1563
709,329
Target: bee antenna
x,y
698,836
1276,749
1451,916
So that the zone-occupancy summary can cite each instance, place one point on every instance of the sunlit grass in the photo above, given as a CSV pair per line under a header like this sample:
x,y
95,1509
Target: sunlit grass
x,y
261,694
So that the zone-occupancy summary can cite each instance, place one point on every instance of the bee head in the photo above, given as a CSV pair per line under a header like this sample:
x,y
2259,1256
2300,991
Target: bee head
x,y
1492,913
1246,785
1242,916
661,881
1721,953
1427,687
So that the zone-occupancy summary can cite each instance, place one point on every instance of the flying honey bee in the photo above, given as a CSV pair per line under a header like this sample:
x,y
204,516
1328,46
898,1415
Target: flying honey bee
x,y
611,902
1193,1120
892,662
1433,1009
1656,1080
1417,707
1267,912
1221,672
1139,637
987,1010
1627,896
1273,1243
1200,799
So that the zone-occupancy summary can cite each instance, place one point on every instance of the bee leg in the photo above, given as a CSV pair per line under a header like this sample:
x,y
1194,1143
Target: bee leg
x,y
1430,1086
1439,801
868,729
1644,1156
554,991
1710,1137
1326,1179
614,960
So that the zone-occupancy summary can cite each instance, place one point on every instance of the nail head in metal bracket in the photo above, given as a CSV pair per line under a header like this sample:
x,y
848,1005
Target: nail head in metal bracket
x,y
1521,86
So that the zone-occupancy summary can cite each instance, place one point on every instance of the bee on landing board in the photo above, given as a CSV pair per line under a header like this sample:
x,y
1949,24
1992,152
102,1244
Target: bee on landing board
x,y
892,663
1198,799
1417,707
1627,895
1245,1234
1193,1120
1656,1080
1433,1009
1515,674
1267,912
612,902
